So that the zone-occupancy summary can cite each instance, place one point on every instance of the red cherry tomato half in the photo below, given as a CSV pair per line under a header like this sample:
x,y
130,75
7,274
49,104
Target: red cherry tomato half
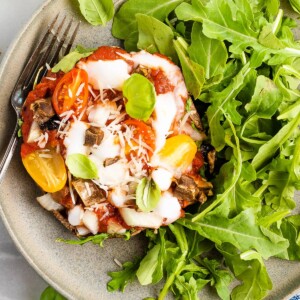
x,y
71,93
142,129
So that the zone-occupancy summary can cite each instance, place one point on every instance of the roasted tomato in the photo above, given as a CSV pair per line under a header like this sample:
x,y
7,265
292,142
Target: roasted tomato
x,y
178,152
47,169
143,130
71,93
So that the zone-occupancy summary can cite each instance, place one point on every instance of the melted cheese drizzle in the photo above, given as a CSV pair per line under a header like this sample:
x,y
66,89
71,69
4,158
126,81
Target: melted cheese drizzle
x,y
74,141
106,74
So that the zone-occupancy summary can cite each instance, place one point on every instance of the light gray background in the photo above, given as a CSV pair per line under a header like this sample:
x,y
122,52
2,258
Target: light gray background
x,y
18,281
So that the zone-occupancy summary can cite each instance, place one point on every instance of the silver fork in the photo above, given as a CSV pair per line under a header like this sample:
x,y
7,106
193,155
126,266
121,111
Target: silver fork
x,y
45,54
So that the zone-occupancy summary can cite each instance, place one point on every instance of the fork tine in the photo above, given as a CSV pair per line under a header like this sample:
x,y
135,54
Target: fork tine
x,y
61,43
42,61
68,48
29,67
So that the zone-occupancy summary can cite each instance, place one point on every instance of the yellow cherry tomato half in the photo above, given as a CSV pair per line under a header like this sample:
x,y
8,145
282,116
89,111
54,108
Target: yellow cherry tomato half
x,y
178,152
47,169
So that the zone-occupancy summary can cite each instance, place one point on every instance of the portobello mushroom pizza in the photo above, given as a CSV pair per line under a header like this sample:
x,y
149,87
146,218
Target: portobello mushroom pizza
x,y
115,143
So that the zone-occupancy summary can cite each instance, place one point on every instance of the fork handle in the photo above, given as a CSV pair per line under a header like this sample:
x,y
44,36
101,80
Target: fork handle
x,y
9,152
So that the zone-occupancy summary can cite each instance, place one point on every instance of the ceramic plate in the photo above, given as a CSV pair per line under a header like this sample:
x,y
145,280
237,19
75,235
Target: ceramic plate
x,y
78,272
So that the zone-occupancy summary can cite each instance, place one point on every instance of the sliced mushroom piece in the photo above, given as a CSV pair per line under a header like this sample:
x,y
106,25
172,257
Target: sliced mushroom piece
x,y
193,188
211,157
195,117
186,189
89,192
63,197
63,220
43,110
93,136
110,161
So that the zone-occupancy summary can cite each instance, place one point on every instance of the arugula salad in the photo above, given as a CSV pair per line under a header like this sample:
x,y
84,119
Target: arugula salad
x,y
241,65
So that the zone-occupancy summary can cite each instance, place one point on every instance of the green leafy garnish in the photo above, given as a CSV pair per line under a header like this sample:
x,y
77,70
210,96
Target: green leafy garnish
x,y
140,95
81,166
97,12
121,278
51,294
155,36
68,62
147,194
97,239
125,25
192,71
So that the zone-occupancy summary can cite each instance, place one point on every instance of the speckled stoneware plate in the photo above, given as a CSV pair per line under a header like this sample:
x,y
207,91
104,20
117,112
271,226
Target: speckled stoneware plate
x,y
78,272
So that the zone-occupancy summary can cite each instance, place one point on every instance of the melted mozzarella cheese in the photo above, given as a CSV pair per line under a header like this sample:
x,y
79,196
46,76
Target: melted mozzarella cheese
x,y
114,174
100,113
74,141
118,197
165,111
106,74
168,208
108,148
162,178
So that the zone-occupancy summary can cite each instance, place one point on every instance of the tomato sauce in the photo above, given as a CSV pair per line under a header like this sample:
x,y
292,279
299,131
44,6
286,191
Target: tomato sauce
x,y
112,216
108,53
161,82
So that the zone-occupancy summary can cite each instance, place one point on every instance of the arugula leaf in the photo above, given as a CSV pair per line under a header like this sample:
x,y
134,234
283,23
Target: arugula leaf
x,y
97,12
249,268
209,53
140,95
295,5
290,229
193,73
51,294
125,24
68,62
121,278
81,166
267,150
241,231
148,265
222,103
283,177
221,278
97,239
265,100
155,36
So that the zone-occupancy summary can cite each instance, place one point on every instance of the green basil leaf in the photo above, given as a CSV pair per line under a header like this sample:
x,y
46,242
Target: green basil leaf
x,y
81,166
140,95
147,195
68,62
97,12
